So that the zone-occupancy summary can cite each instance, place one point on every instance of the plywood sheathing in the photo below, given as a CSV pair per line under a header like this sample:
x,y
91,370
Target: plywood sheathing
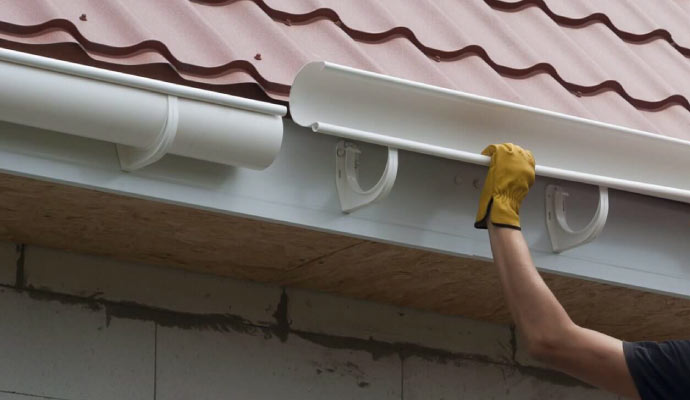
x,y
88,221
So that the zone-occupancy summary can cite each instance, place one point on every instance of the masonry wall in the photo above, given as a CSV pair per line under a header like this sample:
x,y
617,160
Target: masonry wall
x,y
80,327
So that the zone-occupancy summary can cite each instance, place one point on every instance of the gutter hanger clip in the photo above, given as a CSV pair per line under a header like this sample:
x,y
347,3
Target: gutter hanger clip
x,y
561,235
351,195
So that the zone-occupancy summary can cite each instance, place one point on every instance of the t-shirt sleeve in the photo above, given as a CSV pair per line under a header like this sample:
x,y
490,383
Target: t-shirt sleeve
x,y
661,370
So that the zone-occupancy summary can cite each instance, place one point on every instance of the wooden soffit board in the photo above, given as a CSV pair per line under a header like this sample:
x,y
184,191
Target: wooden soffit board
x,y
87,221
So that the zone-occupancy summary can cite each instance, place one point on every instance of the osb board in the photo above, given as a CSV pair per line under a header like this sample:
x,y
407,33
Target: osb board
x,y
88,221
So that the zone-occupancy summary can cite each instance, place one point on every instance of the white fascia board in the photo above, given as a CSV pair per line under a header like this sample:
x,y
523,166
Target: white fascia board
x,y
402,114
143,115
432,206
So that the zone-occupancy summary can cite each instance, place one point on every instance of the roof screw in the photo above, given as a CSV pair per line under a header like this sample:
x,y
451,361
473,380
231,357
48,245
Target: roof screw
x,y
476,183
82,17
257,56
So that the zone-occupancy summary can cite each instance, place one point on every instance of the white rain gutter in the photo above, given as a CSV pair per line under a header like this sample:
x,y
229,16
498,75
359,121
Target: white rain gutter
x,y
402,114
146,118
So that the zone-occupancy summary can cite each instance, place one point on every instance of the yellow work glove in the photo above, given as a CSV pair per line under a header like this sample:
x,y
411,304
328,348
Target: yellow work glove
x,y
511,174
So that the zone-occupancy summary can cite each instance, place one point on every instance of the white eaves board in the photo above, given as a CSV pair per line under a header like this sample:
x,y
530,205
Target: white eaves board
x,y
645,244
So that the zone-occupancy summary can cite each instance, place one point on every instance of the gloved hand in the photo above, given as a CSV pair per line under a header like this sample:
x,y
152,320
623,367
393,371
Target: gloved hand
x,y
510,176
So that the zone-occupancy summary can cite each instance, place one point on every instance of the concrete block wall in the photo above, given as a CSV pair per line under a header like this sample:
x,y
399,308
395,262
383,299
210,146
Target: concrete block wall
x,y
78,327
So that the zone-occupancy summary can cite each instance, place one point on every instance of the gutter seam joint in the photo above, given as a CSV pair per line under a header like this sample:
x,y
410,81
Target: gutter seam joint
x,y
132,158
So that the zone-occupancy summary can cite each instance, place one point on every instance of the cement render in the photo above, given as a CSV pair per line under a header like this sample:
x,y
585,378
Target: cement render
x,y
84,327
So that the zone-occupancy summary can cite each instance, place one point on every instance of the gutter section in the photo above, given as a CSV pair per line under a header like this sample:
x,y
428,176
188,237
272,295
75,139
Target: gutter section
x,y
402,114
138,112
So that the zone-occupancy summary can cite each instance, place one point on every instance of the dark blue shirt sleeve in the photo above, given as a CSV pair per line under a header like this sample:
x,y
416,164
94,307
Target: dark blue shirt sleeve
x,y
661,370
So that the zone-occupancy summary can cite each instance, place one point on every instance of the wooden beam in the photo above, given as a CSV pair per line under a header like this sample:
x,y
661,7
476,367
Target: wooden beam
x,y
80,220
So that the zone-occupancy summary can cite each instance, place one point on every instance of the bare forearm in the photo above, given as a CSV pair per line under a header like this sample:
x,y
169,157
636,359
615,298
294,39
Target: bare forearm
x,y
551,334
534,308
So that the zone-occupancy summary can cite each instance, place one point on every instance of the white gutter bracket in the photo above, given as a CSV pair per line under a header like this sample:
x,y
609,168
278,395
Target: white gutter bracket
x,y
351,195
133,158
561,235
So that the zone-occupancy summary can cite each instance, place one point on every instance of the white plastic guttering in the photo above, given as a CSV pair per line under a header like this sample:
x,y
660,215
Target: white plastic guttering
x,y
145,117
402,114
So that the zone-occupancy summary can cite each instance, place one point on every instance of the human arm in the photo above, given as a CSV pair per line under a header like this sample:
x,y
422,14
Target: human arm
x,y
551,336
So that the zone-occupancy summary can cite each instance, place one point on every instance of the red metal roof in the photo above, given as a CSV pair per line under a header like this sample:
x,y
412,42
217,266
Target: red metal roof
x,y
624,62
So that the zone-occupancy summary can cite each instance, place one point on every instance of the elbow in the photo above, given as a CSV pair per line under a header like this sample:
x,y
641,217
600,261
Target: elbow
x,y
543,348
549,347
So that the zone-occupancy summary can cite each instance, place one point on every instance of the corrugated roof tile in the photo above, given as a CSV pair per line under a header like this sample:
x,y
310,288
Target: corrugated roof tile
x,y
638,17
571,57
636,21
